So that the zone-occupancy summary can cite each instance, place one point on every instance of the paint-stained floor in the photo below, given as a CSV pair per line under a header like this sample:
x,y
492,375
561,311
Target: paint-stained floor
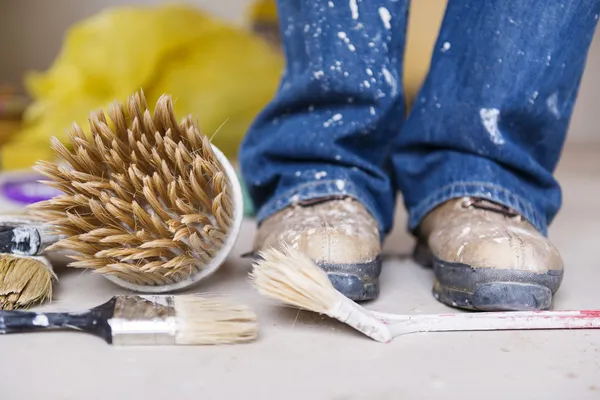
x,y
300,355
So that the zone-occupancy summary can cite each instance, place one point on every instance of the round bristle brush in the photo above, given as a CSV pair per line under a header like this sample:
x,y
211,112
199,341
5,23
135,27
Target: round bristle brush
x,y
148,201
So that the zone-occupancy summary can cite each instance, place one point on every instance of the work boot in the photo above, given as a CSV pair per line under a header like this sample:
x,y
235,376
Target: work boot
x,y
487,257
340,236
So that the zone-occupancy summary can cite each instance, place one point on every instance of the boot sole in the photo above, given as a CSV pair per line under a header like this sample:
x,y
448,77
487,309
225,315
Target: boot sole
x,y
488,289
358,282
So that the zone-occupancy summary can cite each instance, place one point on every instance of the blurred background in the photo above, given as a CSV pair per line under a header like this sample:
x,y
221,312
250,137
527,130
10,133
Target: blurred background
x,y
63,58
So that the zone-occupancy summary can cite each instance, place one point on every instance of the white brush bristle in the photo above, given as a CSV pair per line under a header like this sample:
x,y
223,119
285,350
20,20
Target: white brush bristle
x,y
288,275
206,320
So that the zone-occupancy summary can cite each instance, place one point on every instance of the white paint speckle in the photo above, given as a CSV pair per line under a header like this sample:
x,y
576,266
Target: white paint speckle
x,y
552,104
354,9
372,110
320,175
338,157
438,105
24,235
40,320
344,37
298,173
330,4
334,118
534,96
386,17
446,46
318,74
489,118
367,84
387,75
369,71
340,184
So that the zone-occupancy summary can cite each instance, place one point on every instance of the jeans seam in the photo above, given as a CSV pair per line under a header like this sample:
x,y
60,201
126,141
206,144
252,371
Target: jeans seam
x,y
350,190
439,196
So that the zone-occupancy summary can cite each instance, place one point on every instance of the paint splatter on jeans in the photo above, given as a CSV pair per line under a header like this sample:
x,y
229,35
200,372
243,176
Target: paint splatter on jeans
x,y
489,121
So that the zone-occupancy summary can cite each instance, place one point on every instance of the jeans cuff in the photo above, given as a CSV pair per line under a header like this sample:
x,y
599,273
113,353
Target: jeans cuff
x,y
323,189
481,190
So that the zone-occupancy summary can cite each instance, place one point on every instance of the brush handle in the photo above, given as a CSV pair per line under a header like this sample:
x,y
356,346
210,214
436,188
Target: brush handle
x,y
360,319
491,321
26,240
94,321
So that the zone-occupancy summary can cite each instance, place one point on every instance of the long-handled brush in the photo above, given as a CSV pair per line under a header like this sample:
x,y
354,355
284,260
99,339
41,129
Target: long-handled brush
x,y
148,202
147,320
291,277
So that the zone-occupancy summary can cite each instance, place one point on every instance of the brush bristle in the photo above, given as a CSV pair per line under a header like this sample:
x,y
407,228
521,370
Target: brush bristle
x,y
288,275
205,320
145,197
24,281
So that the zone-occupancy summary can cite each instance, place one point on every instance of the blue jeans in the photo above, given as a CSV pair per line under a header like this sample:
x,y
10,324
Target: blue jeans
x,y
490,119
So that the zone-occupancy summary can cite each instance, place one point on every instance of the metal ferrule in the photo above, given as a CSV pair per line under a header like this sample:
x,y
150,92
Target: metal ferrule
x,y
144,320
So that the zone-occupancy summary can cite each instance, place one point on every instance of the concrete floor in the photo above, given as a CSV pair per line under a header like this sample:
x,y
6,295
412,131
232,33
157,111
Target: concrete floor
x,y
301,355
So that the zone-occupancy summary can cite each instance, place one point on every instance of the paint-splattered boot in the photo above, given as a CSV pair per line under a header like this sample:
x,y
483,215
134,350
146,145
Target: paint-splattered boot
x,y
487,257
340,235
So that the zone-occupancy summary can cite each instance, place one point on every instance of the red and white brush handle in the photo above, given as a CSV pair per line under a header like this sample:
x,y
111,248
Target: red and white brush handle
x,y
490,321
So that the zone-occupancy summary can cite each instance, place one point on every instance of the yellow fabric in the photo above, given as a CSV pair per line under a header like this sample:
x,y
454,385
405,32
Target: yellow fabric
x,y
423,26
214,71
264,11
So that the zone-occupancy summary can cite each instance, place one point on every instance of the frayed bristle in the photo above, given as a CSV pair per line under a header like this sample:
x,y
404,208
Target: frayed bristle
x,y
139,178
288,275
211,320
24,281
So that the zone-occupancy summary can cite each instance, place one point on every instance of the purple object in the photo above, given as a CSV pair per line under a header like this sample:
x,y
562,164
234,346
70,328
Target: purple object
x,y
28,190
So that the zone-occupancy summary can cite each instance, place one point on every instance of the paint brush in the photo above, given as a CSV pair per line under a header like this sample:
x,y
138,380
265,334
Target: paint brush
x,y
23,236
26,276
24,281
147,320
287,275
148,201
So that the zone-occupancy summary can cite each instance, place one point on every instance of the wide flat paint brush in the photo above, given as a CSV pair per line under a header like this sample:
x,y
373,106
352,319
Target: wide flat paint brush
x,y
147,320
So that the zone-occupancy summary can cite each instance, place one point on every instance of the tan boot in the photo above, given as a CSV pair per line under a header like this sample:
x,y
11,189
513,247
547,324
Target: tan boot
x,y
487,257
339,235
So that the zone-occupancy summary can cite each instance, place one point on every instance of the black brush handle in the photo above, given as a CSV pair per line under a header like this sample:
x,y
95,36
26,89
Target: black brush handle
x,y
28,243
94,321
